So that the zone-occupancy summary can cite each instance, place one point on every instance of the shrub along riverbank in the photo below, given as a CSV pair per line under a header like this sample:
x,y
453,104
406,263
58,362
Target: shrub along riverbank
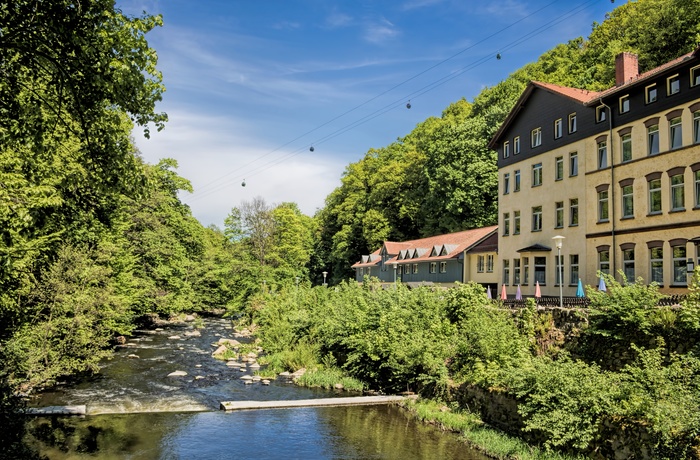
x,y
624,385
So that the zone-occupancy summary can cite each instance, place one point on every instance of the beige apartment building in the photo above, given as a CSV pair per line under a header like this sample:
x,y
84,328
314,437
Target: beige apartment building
x,y
616,173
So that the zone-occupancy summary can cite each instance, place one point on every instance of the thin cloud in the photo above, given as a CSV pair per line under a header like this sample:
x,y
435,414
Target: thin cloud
x,y
379,33
338,20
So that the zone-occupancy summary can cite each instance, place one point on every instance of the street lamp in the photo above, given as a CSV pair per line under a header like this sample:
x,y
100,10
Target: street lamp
x,y
324,278
558,241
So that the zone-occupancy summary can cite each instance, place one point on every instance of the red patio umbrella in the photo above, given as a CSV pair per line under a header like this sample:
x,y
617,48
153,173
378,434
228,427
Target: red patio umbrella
x,y
504,295
538,293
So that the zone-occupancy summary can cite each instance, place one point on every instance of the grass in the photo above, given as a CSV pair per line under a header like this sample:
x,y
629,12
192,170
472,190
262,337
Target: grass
x,y
488,440
328,378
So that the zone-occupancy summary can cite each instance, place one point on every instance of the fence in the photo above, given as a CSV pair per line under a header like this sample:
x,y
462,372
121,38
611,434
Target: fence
x,y
580,302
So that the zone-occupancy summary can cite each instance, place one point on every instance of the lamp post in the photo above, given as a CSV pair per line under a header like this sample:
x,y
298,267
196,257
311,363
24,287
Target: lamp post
x,y
324,278
559,241
394,275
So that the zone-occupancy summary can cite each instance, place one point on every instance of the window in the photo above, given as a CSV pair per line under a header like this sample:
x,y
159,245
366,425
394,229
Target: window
x,y
400,271
559,168
603,214
628,264
572,123
673,85
537,218
506,223
627,201
625,103
559,269
558,128
656,263
433,267
626,140
536,137
559,214
516,271
600,114
489,263
675,133
415,268
573,212
541,270
573,164
536,174
602,154
506,149
677,192
443,267
516,145
516,179
695,76
526,270
653,139
604,261
696,177
480,264
651,93
696,127
654,196
506,183
573,269
680,275
516,222
506,271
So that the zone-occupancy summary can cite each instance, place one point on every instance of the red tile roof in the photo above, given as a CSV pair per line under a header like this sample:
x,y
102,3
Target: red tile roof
x,y
579,95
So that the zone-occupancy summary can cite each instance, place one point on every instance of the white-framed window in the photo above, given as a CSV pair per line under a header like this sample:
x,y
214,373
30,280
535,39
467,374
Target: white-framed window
x,y
654,196
601,114
541,270
400,270
603,209
695,76
675,133
506,272
506,183
628,264
677,192
537,218
433,267
480,264
516,179
673,85
696,179
625,103
559,168
680,276
651,94
653,139
626,141
506,149
516,145
602,154
489,263
536,174
573,269
516,272
696,127
573,164
572,123
573,212
526,270
656,263
559,214
536,137
627,201
443,267
604,261
506,223
558,128
516,222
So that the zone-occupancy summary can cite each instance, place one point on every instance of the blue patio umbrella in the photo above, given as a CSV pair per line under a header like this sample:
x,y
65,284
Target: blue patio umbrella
x,y
579,290
601,285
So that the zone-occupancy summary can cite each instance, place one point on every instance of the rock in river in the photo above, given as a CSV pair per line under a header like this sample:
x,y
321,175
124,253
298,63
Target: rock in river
x,y
177,374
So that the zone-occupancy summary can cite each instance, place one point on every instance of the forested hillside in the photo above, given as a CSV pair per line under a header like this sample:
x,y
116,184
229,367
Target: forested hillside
x,y
442,177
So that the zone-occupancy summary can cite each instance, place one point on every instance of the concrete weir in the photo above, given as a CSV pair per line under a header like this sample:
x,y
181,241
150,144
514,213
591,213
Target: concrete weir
x,y
57,410
321,402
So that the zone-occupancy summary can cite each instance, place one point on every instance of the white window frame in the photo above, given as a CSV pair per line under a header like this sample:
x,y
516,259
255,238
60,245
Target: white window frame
x,y
628,264
602,154
559,214
433,267
506,149
443,267
573,164
516,222
653,141
516,145
601,114
537,174
627,193
626,141
652,192
516,180
572,123
695,76
677,184
537,218
656,261
559,168
573,212
604,206
675,133
536,137
558,128
679,275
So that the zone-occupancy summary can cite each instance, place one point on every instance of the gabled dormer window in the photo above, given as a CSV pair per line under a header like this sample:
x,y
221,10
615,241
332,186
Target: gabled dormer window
x,y
651,93
673,85
625,103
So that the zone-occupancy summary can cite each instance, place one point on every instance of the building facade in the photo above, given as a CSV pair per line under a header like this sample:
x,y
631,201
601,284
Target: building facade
x,y
617,173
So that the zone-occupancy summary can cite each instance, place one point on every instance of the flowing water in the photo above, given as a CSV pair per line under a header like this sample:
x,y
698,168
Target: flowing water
x,y
144,414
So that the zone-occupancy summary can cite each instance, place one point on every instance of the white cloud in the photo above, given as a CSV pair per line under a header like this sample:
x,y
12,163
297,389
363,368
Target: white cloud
x,y
380,32
337,20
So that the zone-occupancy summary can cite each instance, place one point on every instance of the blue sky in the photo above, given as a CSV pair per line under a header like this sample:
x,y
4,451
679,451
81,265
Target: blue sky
x,y
252,85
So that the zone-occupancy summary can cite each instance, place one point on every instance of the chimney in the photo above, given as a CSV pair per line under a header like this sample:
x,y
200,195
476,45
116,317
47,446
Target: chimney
x,y
626,68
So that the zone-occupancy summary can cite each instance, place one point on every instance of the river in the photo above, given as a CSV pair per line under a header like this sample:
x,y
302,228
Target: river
x,y
148,415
